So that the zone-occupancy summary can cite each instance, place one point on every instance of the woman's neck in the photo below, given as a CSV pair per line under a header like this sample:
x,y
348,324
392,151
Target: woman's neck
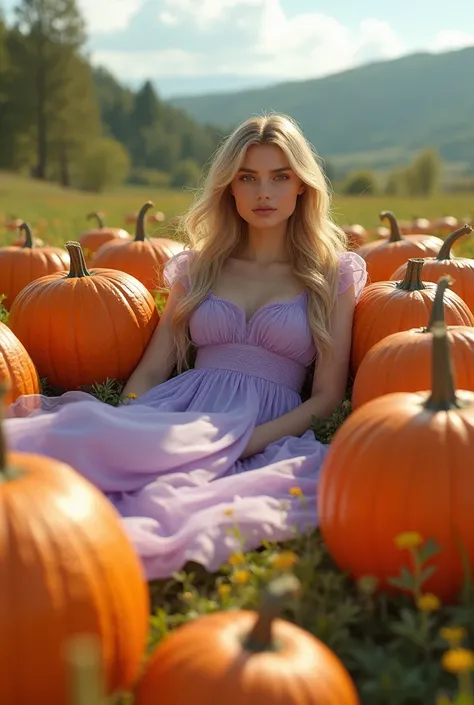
x,y
265,246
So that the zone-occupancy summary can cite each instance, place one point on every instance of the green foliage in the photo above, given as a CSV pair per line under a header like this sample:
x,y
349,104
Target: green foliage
x,y
149,177
420,178
186,173
3,310
104,164
360,183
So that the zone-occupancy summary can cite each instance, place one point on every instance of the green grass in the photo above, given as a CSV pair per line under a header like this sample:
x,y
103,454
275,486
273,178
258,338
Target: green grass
x,y
392,648
60,214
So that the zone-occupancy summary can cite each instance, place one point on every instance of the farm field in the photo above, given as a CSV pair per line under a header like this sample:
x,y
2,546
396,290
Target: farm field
x,y
394,646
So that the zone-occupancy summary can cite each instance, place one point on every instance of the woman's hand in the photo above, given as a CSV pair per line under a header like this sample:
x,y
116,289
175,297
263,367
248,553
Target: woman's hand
x,y
254,444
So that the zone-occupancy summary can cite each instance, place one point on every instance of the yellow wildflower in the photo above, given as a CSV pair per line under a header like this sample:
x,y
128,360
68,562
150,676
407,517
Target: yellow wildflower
x,y
408,539
453,635
132,395
228,512
224,590
428,603
241,577
296,492
285,560
236,559
187,596
458,660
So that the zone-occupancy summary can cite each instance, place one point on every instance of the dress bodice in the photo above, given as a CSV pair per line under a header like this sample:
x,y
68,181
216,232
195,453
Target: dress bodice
x,y
277,338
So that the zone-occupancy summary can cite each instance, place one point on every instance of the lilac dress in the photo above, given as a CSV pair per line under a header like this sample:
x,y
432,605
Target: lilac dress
x,y
169,461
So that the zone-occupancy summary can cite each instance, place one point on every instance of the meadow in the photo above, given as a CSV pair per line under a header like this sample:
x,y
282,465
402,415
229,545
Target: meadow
x,y
394,646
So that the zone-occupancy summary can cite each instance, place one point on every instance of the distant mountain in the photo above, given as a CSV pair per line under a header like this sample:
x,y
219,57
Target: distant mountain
x,y
375,116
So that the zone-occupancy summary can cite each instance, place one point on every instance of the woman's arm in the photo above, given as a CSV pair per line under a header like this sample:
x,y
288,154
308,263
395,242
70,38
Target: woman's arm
x,y
329,384
159,358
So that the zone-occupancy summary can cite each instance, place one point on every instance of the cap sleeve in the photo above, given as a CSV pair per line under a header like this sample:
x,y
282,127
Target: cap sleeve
x,y
352,270
176,269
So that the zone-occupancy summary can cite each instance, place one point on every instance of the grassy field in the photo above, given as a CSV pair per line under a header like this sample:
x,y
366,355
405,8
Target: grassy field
x,y
394,647
59,214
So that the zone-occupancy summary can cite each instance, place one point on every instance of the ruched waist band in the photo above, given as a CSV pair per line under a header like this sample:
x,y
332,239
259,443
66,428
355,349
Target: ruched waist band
x,y
254,361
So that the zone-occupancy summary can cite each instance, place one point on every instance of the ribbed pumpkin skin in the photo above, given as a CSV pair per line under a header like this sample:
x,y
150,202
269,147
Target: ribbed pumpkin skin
x,y
143,259
394,466
21,265
383,309
66,567
91,240
16,367
383,257
401,362
81,330
203,662
461,269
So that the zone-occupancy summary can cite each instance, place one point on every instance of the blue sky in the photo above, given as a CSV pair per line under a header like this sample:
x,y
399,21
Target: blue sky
x,y
198,46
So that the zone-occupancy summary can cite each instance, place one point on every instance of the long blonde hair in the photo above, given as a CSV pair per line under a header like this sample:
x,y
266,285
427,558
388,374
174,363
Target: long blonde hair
x,y
214,229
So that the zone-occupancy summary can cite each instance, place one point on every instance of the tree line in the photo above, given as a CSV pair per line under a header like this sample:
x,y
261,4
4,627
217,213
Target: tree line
x,y
63,120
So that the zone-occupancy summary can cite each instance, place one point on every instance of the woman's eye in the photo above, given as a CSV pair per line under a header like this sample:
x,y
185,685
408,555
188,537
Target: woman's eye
x,y
283,177
246,177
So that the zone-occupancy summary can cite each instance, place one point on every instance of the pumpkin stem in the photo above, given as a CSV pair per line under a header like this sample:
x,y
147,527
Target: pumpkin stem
x,y
445,251
412,280
78,263
98,217
437,309
82,655
140,235
395,234
443,393
273,600
24,227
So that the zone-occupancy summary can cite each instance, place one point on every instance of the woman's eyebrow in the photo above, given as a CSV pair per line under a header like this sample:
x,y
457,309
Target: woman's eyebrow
x,y
273,171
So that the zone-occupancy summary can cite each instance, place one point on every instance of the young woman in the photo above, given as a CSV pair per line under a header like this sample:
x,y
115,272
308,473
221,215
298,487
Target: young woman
x,y
266,289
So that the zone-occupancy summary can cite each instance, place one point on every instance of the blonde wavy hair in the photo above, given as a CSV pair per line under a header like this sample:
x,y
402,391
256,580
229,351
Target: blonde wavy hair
x,y
215,230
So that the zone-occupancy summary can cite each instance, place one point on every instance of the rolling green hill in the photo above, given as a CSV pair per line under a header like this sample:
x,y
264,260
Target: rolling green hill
x,y
375,116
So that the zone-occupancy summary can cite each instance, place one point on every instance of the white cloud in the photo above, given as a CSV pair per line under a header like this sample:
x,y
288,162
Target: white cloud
x,y
107,16
452,39
246,38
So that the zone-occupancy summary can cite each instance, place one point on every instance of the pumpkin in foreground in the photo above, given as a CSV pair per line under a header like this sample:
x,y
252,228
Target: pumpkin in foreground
x,y
83,327
239,657
144,258
404,462
461,269
17,370
384,256
66,568
390,307
21,265
401,362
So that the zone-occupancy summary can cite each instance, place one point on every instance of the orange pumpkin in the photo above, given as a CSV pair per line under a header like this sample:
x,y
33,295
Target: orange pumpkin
x,y
460,268
418,226
82,326
390,307
17,370
21,265
143,258
91,240
383,257
66,567
401,362
445,224
403,462
356,235
238,657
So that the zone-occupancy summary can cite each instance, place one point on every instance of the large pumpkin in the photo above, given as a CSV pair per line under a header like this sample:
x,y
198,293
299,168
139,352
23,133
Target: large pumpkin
x,y
21,265
82,326
403,462
384,256
91,240
142,257
239,657
66,568
460,268
390,307
401,362
356,235
17,370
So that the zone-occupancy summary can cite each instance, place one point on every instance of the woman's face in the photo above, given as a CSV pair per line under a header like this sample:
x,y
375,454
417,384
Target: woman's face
x,y
266,188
